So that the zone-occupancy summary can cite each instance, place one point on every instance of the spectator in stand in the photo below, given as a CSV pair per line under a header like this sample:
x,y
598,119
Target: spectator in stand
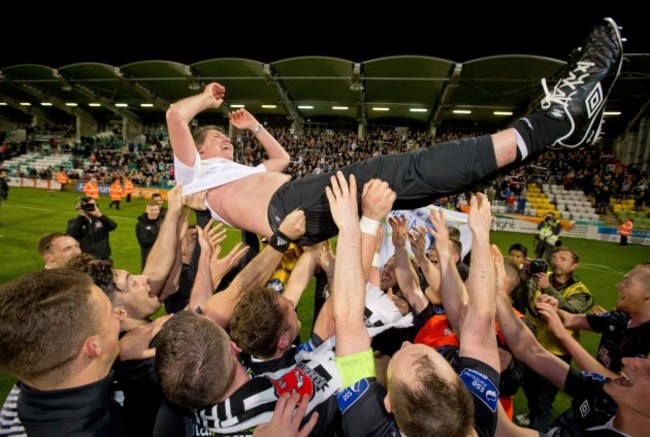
x,y
147,229
625,231
116,193
521,204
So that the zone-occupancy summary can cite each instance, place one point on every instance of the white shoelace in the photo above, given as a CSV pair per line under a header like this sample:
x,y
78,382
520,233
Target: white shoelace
x,y
572,80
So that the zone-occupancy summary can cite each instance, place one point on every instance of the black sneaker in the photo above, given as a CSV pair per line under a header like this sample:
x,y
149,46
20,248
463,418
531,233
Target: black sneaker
x,y
581,94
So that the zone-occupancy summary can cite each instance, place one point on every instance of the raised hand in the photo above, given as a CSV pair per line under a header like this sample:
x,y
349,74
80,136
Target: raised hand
x,y
342,198
216,93
439,231
134,345
242,119
175,199
377,199
293,225
417,237
480,215
286,418
219,267
400,233
327,258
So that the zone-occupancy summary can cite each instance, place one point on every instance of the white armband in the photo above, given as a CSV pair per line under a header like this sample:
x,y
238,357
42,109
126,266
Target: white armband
x,y
369,226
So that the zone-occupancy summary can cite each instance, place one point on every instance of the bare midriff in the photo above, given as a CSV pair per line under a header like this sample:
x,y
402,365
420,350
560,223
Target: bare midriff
x,y
244,203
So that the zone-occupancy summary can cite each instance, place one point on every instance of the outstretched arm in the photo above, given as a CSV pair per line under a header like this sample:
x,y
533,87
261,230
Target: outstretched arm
x,y
182,112
520,340
349,292
547,307
376,201
256,273
477,337
406,276
452,289
163,253
278,157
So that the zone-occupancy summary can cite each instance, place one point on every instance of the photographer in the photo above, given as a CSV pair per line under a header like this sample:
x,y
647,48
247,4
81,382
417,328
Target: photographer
x,y
574,297
91,229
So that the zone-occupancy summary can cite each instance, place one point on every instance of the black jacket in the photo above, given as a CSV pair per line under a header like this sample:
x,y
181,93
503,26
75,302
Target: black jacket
x,y
146,231
92,234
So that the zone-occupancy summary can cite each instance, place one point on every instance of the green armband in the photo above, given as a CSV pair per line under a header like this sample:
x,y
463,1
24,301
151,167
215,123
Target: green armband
x,y
355,367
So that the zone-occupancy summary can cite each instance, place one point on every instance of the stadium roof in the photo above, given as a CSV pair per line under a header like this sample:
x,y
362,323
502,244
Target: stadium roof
x,y
413,90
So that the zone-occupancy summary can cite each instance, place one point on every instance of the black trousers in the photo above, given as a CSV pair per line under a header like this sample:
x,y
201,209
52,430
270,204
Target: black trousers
x,y
418,178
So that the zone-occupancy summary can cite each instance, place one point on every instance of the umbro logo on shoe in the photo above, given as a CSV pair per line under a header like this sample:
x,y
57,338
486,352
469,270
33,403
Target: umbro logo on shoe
x,y
594,100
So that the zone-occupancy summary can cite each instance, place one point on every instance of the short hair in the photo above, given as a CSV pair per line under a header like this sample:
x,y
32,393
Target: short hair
x,y
46,318
101,272
574,254
454,233
45,244
201,133
156,195
194,361
258,321
520,247
457,247
430,404
153,203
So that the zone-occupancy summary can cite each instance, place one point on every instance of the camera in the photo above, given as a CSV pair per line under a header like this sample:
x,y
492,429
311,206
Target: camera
x,y
87,204
538,266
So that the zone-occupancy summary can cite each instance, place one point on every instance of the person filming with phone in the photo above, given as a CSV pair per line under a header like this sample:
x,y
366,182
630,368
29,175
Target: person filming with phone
x,y
90,228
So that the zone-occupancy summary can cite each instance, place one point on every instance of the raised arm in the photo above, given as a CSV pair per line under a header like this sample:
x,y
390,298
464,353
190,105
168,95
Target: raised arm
x,y
256,273
376,202
520,340
278,157
477,336
417,237
209,237
406,276
163,253
547,307
452,289
182,112
349,292
302,273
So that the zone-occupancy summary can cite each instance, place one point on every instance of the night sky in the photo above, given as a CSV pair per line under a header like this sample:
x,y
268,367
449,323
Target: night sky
x,y
113,35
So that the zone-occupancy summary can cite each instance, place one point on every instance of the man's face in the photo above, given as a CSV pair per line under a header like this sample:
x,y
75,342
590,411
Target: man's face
x,y
388,278
61,250
518,257
217,145
188,243
109,326
158,199
633,293
632,391
562,263
134,294
153,211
